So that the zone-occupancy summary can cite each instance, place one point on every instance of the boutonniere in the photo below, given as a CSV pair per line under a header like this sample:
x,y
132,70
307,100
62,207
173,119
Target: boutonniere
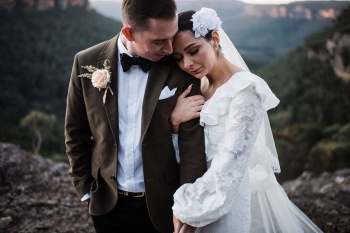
x,y
100,78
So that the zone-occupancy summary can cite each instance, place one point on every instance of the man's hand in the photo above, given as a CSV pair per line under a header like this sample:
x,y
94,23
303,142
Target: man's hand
x,y
177,224
187,108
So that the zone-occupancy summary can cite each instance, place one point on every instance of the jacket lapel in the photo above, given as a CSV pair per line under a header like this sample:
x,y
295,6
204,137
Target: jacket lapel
x,y
110,52
156,79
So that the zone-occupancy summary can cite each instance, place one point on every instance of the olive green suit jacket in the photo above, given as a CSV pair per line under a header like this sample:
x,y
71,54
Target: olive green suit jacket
x,y
91,131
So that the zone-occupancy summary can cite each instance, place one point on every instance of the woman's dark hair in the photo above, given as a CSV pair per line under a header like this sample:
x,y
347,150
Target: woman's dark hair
x,y
185,23
137,12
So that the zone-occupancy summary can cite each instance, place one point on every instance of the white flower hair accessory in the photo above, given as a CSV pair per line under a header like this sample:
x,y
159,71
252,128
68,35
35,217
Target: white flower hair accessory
x,y
204,21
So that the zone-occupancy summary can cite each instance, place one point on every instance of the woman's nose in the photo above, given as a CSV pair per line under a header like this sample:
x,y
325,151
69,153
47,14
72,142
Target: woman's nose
x,y
187,62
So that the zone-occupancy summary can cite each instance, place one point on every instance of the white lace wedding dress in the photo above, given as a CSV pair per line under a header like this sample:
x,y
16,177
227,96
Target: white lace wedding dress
x,y
239,192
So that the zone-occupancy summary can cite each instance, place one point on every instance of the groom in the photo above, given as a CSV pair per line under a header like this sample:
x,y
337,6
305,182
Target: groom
x,y
118,135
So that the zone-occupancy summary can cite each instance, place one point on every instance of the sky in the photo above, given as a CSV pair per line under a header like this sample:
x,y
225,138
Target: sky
x,y
248,1
270,1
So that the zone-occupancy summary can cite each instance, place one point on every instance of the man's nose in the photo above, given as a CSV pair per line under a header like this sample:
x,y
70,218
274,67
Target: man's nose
x,y
168,47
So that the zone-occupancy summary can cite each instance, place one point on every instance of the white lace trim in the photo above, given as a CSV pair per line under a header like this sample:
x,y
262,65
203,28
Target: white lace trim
x,y
239,81
213,195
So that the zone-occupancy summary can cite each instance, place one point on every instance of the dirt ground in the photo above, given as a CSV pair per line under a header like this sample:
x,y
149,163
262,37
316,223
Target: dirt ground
x,y
36,195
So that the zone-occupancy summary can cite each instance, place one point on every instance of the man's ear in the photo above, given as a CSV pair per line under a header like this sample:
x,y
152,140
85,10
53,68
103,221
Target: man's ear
x,y
128,33
216,39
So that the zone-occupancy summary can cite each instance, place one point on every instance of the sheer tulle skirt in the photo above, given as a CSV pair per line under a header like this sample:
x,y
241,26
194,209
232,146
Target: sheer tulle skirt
x,y
271,209
267,210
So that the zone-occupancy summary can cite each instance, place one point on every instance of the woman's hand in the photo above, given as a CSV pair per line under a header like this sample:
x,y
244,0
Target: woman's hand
x,y
177,224
187,108
187,229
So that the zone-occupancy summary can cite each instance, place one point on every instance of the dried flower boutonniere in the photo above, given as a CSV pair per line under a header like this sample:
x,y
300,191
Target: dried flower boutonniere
x,y
100,78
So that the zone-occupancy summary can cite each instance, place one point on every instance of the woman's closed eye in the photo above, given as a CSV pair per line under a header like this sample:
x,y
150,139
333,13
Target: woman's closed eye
x,y
193,52
179,57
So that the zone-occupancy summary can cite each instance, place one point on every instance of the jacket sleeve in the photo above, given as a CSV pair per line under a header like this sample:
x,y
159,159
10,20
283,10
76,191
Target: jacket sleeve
x,y
78,135
191,146
212,196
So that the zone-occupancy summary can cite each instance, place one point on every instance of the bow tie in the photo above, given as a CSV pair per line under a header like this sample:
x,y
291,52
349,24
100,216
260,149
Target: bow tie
x,y
127,62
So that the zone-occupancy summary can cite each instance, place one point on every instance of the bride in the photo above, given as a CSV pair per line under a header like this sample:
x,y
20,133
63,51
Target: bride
x,y
239,192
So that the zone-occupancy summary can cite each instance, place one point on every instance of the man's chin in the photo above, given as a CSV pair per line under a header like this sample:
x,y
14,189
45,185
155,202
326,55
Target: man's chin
x,y
157,57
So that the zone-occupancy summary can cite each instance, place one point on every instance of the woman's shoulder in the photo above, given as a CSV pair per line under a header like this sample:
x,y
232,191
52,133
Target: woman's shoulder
x,y
246,80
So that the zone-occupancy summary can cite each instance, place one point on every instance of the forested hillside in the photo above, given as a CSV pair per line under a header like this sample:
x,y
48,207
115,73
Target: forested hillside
x,y
312,122
37,51
262,33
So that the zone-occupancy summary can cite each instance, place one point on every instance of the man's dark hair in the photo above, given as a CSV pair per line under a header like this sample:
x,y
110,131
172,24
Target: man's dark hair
x,y
185,23
137,12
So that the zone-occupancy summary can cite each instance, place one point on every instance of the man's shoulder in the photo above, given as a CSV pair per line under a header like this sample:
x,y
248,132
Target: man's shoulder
x,y
96,49
174,68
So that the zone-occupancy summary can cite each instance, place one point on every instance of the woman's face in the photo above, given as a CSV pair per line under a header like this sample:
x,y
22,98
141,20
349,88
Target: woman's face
x,y
196,56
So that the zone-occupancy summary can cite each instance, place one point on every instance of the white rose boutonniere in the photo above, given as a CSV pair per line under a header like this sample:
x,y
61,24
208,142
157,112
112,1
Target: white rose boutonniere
x,y
100,78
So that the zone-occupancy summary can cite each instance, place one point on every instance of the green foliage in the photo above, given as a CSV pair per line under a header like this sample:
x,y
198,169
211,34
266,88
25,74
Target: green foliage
x,y
37,122
38,50
342,21
333,151
343,135
311,123
308,89
330,156
293,144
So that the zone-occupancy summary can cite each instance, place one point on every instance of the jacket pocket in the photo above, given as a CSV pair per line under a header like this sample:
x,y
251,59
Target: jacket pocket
x,y
94,183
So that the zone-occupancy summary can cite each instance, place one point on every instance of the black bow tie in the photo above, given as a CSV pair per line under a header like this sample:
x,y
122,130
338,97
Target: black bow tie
x,y
127,62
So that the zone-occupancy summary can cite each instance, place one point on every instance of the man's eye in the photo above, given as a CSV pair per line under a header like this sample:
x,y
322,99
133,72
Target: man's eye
x,y
158,42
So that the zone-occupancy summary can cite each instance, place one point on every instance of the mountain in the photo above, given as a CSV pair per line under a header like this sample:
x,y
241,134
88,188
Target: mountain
x,y
37,50
43,5
311,124
261,33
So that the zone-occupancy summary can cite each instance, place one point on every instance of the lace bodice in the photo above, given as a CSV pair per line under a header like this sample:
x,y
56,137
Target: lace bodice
x,y
232,120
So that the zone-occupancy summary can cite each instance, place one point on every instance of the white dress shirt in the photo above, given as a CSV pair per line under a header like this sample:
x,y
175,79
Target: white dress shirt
x,y
131,90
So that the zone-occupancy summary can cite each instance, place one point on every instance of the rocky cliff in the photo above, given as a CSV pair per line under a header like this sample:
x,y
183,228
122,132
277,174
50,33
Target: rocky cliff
x,y
293,11
36,195
335,48
43,4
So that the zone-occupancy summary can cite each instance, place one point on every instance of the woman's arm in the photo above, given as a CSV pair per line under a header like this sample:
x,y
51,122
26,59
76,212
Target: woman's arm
x,y
213,195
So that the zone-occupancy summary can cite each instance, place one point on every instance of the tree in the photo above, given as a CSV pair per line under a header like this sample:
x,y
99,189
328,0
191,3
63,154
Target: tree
x,y
37,122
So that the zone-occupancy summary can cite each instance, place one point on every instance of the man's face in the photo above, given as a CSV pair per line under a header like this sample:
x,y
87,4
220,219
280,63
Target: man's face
x,y
155,42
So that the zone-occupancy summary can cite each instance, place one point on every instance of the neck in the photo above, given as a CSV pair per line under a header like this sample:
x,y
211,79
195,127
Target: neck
x,y
222,71
127,44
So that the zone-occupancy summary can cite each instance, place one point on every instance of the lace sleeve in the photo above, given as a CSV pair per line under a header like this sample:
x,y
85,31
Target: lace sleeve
x,y
213,195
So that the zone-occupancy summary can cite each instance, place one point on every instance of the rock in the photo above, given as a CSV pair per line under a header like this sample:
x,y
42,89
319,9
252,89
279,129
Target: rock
x,y
5,221
325,199
36,195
